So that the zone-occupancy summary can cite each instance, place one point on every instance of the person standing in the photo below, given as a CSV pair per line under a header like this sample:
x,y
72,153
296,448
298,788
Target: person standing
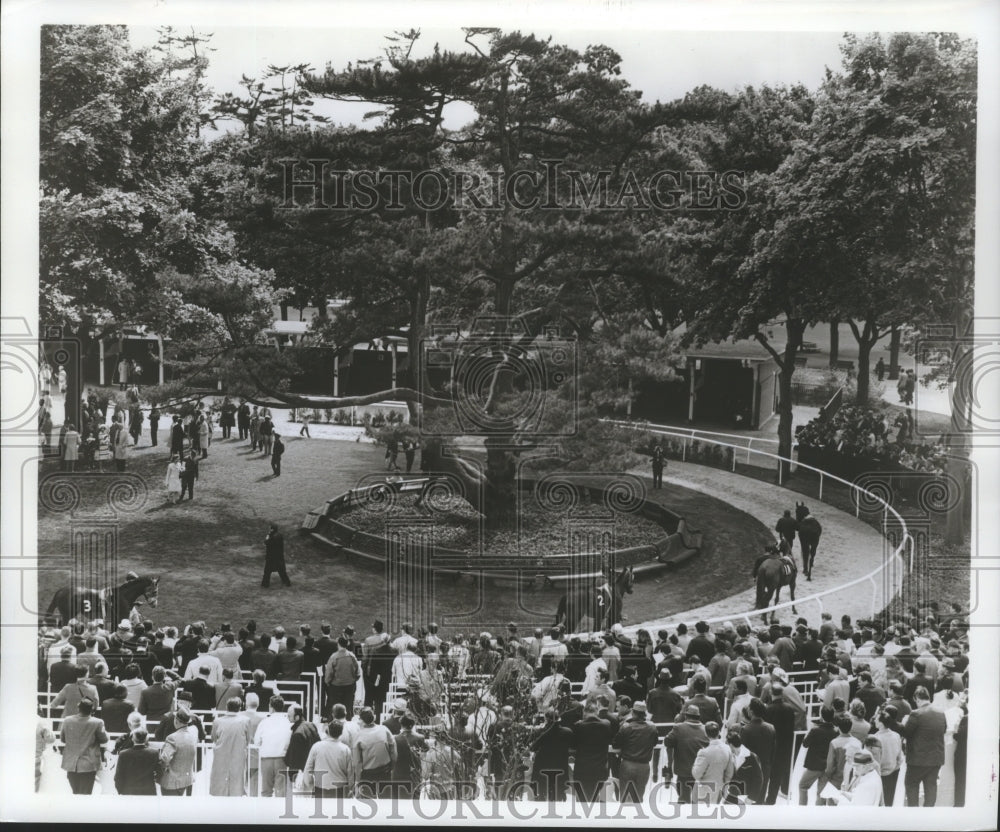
x,y
179,756
304,418
177,436
83,738
45,376
713,766
409,452
817,743
230,743
174,480
266,431
341,676
329,769
43,739
70,446
274,557
782,716
682,744
636,739
374,750
204,431
45,430
892,752
120,439
254,430
880,369
550,767
271,739
135,423
189,475
277,449
659,461
243,420
63,382
391,454
924,731
135,773
303,737
154,425
227,418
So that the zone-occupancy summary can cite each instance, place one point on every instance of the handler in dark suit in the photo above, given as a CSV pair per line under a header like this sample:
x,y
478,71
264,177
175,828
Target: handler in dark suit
x,y
136,770
550,768
177,437
924,732
591,738
243,420
274,560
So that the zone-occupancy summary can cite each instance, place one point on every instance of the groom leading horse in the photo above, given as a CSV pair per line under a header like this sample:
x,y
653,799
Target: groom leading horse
x,y
601,603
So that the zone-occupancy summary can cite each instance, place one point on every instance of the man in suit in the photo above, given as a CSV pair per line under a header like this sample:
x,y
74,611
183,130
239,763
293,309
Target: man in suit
x,y
202,691
782,716
243,420
919,679
73,693
177,437
683,743
157,699
713,766
83,736
551,744
63,672
707,706
137,766
189,475
274,558
178,756
758,736
924,732
591,738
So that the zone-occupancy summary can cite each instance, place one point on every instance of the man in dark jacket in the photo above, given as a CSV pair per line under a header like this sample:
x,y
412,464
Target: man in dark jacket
x,y
924,732
202,691
782,716
274,559
748,777
636,740
817,743
759,737
707,705
591,738
243,420
277,449
135,773
189,475
701,645
683,743
919,679
550,769
786,527
157,699
304,737
177,437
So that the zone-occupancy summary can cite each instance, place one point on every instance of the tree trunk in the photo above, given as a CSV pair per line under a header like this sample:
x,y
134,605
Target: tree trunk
x,y
284,310
834,342
794,329
864,373
894,353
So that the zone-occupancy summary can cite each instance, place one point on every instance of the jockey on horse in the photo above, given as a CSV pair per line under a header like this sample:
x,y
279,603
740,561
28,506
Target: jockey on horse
x,y
774,569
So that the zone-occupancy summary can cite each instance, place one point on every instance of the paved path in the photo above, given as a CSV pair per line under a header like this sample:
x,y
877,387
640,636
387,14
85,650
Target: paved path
x,y
848,549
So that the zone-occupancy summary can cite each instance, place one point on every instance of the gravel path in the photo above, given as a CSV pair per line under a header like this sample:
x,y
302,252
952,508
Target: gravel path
x,y
848,549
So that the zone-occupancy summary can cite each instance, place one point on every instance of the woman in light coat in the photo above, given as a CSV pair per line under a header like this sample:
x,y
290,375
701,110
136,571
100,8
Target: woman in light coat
x,y
173,479
120,449
202,430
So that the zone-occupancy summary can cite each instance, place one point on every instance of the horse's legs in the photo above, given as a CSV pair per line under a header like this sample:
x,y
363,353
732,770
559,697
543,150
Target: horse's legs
x,y
791,591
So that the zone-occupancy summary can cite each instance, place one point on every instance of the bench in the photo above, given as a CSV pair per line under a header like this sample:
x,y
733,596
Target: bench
x,y
809,346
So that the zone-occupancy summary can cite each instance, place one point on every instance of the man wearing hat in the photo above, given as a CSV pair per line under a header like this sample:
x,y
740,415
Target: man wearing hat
x,y
178,757
683,743
591,738
865,786
636,740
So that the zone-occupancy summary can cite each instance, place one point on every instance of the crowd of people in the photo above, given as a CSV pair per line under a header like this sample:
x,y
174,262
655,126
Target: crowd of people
x,y
721,713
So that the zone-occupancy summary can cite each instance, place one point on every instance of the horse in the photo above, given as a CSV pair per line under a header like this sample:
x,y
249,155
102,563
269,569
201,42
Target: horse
x,y
809,532
772,571
111,604
601,603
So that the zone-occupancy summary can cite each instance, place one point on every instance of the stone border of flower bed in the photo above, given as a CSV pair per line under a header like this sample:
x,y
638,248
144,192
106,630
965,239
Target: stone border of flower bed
x,y
678,544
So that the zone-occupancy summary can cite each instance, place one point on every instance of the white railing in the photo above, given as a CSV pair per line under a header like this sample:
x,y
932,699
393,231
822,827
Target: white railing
x,y
896,575
696,434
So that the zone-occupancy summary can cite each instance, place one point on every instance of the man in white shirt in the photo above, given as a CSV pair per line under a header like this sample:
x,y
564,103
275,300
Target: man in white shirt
x,y
351,726
479,721
55,649
406,665
228,652
865,788
546,692
271,739
405,637
204,659
590,680
458,655
277,639
551,646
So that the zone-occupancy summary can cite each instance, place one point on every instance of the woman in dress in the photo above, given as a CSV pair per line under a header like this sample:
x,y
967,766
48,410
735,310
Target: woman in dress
x,y
70,447
204,429
173,478
45,372
62,379
120,449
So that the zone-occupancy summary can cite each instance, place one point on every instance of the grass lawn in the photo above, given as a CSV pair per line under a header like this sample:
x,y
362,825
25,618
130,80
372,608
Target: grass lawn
x,y
209,552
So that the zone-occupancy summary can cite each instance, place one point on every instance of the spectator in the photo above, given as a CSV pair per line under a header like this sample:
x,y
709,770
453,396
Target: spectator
x,y
156,700
892,752
73,693
135,773
682,744
782,716
713,766
271,738
83,738
227,689
303,737
748,776
841,752
636,740
228,652
343,671
333,761
591,738
701,645
204,659
201,690
707,706
374,750
924,731
179,755
115,711
817,744
134,683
